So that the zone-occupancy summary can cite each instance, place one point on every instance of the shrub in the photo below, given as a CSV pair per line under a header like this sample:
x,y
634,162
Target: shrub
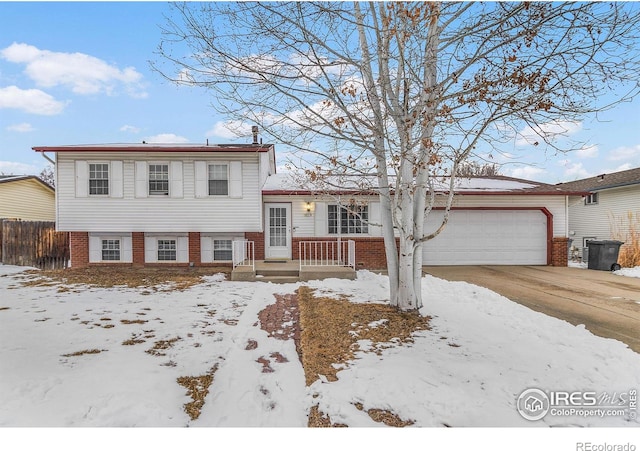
x,y
627,229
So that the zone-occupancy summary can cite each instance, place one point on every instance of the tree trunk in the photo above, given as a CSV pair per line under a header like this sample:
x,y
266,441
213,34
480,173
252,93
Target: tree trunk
x,y
407,298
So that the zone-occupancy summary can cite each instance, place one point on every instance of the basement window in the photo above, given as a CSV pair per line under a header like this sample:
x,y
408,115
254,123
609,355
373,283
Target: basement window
x,y
110,250
166,250
222,250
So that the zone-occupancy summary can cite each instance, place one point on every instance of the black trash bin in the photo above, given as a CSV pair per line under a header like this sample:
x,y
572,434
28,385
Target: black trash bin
x,y
603,255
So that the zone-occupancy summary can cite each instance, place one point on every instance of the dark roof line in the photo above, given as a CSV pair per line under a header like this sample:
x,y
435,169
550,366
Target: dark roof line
x,y
605,181
156,147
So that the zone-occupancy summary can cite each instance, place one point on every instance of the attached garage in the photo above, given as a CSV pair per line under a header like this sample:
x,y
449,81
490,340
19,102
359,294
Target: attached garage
x,y
489,237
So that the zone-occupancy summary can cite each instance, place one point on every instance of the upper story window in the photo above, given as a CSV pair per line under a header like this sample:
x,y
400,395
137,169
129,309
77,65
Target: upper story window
x,y
352,219
591,199
218,180
99,179
159,179
110,250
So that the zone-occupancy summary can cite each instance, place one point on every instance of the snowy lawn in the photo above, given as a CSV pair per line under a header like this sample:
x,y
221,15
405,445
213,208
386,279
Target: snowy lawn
x,y
81,356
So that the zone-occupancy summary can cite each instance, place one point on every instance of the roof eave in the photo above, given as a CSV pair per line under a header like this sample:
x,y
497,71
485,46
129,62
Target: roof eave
x,y
147,148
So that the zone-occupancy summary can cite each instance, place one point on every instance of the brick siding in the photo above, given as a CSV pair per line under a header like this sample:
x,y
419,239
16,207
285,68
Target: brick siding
x,y
79,249
560,251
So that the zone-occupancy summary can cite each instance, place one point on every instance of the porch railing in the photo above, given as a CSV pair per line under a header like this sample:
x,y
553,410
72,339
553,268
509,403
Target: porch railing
x,y
243,254
327,253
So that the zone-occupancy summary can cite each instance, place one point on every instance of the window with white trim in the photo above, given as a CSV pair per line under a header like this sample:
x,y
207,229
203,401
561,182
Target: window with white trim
x,y
591,199
158,179
352,220
99,179
218,180
111,250
167,250
222,250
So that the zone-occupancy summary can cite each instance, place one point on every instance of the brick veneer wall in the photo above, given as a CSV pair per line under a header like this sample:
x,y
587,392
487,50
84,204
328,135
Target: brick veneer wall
x,y
137,244
194,248
79,249
258,242
370,253
560,251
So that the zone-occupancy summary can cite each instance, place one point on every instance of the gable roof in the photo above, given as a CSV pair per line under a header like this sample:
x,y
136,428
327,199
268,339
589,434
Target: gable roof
x,y
15,178
155,147
605,181
286,183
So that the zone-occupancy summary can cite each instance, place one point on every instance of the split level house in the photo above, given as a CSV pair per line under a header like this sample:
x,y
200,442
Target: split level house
x,y
211,205
610,210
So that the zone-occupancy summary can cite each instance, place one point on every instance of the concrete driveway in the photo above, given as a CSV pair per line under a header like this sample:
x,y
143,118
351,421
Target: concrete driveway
x,y
608,305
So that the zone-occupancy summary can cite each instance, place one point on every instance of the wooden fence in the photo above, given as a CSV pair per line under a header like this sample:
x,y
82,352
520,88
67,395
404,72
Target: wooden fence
x,y
33,243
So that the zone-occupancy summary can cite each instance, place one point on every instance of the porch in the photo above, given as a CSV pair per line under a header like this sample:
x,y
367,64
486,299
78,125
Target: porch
x,y
316,260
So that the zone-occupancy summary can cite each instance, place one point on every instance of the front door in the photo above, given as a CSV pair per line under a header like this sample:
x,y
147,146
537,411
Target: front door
x,y
277,231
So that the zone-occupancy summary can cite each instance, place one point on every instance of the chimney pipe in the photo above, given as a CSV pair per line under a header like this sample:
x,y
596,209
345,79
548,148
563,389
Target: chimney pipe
x,y
254,131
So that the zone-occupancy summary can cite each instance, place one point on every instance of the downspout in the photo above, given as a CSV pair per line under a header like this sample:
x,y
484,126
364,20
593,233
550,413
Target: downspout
x,y
47,158
566,216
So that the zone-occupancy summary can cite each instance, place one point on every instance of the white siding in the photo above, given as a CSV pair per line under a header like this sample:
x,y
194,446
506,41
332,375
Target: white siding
x,y
595,221
555,204
316,224
179,212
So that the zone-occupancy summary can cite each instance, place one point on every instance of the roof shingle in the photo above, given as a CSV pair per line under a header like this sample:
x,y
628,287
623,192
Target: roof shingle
x,y
604,181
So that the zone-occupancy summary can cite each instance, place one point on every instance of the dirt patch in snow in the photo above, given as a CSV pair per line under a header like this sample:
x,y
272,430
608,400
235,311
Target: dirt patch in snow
x,y
197,389
333,330
156,279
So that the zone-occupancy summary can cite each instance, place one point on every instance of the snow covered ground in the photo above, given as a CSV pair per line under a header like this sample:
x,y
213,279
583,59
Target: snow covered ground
x,y
482,352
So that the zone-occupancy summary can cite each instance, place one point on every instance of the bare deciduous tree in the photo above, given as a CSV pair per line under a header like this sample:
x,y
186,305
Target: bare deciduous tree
x,y
475,169
406,91
48,175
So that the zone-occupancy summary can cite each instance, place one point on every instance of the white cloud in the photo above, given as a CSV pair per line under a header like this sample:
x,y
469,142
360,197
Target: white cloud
x,y
587,152
622,167
527,172
15,168
129,129
30,100
83,74
549,130
166,138
229,130
23,127
624,153
574,171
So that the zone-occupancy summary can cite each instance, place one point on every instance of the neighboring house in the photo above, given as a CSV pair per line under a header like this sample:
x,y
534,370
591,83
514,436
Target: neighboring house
x,y
26,197
605,210
186,204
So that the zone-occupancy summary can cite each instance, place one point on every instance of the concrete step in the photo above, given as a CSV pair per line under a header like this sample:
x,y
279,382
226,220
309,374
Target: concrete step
x,y
277,272
278,279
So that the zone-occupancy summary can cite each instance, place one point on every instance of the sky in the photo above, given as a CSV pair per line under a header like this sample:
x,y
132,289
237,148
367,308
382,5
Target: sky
x,y
79,73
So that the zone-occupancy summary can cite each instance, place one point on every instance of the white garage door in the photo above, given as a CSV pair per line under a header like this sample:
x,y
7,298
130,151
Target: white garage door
x,y
488,237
